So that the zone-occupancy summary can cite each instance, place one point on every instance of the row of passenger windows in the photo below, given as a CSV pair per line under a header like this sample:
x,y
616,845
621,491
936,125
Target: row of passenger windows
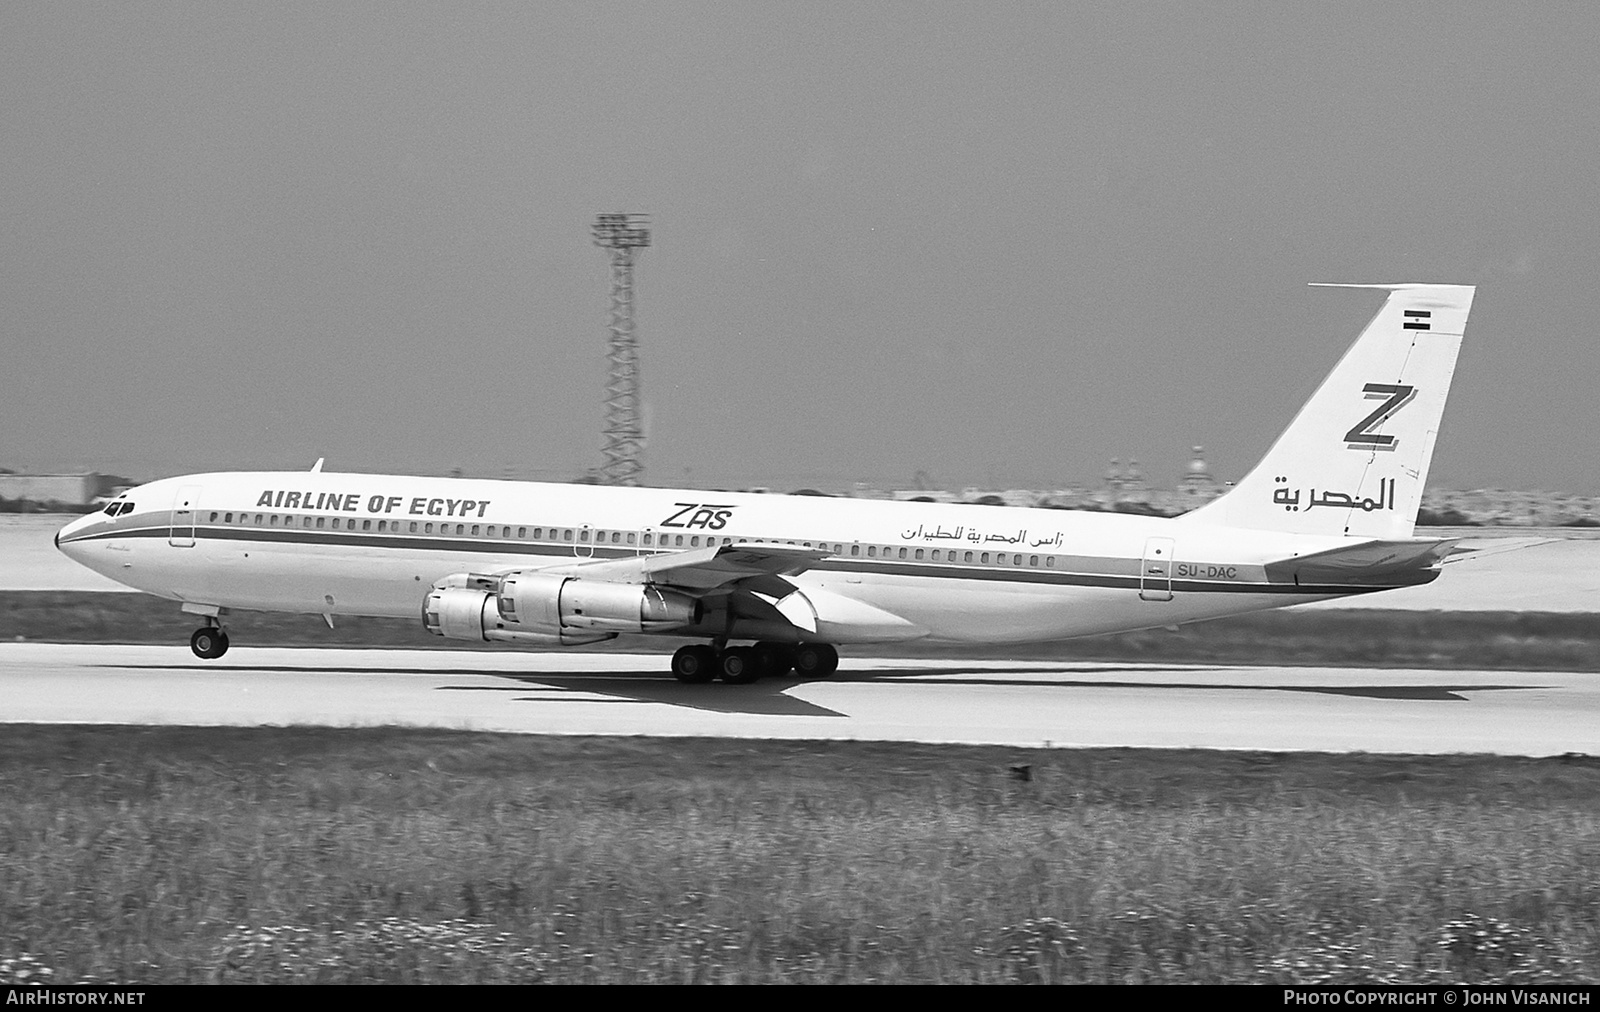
x,y
584,535
568,534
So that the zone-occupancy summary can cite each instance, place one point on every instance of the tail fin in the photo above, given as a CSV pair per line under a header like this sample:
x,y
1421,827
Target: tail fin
x,y
1355,459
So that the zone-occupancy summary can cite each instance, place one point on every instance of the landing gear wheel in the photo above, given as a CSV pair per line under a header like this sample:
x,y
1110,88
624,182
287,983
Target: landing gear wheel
x,y
815,660
740,665
776,658
694,665
209,643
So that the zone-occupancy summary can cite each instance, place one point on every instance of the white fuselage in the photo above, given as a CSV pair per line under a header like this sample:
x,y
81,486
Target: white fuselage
x,y
362,544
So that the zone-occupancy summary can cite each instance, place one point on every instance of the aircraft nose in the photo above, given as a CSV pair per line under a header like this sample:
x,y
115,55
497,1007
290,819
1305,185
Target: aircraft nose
x,y
71,529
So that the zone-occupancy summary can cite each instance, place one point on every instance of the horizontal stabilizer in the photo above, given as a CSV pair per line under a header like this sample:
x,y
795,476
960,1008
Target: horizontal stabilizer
x,y
1489,549
1378,562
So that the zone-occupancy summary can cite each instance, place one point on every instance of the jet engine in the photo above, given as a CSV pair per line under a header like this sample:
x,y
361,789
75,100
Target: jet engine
x,y
546,609
541,600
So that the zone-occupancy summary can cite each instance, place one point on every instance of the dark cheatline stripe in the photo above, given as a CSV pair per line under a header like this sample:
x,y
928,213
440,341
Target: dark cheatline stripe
x,y
563,553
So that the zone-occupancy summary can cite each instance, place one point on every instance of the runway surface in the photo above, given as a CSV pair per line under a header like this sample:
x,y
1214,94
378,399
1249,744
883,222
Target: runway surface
x,y
1028,704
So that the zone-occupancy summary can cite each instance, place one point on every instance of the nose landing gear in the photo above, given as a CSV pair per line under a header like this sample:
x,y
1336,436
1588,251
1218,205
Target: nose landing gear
x,y
209,642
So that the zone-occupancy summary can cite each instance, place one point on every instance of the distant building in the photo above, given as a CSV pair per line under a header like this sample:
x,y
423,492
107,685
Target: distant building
x,y
67,489
1197,486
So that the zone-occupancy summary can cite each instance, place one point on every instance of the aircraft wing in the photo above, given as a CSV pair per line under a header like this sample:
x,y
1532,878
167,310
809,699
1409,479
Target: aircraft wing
x,y
703,569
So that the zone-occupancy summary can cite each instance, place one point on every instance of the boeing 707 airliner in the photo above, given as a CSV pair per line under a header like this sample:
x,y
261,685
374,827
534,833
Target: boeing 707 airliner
x,y
778,583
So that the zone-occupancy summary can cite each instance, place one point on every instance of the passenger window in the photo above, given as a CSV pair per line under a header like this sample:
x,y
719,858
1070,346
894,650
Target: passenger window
x,y
413,527
583,535
872,551
968,557
1016,560
694,542
366,525
1033,560
522,532
427,528
213,518
474,530
566,534
680,541
984,558
855,549
461,528
919,552
305,522
1049,561
903,553
228,519
632,538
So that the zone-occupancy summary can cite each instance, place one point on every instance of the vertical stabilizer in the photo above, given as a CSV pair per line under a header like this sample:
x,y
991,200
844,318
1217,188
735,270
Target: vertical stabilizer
x,y
1355,459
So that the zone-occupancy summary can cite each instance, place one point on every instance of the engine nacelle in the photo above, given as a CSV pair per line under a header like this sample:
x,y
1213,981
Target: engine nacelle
x,y
547,601
468,613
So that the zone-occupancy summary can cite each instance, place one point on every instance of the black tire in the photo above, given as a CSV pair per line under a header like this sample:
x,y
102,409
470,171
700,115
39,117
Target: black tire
x,y
815,660
740,665
776,658
694,665
209,643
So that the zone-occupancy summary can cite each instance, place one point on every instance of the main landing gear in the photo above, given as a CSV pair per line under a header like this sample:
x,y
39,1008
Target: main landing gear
x,y
695,665
209,642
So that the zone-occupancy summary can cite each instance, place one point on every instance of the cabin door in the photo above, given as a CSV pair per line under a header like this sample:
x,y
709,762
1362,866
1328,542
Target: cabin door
x,y
1155,570
181,534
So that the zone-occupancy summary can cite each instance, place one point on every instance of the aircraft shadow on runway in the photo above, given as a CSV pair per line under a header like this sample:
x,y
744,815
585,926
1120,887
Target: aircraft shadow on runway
x,y
770,696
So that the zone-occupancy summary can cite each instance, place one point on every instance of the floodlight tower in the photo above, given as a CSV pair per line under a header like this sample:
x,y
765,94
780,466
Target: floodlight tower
x,y
622,234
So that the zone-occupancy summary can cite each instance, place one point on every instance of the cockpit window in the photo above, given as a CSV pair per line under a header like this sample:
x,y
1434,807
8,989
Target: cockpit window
x,y
127,508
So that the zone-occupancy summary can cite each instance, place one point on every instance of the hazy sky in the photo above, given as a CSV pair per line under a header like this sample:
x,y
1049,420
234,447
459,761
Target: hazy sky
x,y
1001,243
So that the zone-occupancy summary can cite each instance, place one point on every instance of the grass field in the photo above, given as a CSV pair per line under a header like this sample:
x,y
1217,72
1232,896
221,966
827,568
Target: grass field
x,y
1414,639
167,854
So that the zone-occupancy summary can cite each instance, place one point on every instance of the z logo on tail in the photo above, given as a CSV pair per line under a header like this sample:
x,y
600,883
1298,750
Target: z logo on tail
x,y
1361,436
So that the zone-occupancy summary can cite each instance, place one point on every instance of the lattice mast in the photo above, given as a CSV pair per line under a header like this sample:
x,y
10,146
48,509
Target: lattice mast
x,y
623,235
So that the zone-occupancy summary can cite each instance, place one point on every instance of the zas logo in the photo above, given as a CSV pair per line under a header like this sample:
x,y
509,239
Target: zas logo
x,y
709,516
1361,436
